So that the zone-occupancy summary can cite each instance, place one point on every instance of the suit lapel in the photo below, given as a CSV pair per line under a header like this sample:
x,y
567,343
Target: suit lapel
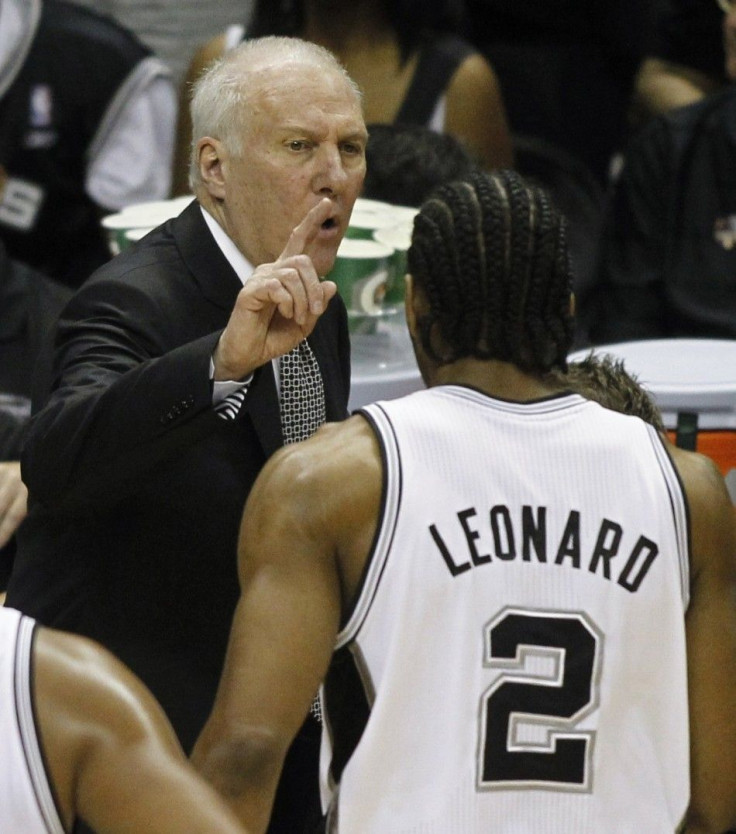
x,y
264,410
212,272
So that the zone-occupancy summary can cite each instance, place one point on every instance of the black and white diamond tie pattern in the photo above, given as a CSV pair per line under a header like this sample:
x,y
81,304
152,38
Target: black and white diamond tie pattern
x,y
302,394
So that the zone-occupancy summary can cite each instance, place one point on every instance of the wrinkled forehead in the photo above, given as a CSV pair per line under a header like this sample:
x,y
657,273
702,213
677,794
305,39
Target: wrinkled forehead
x,y
298,91
275,81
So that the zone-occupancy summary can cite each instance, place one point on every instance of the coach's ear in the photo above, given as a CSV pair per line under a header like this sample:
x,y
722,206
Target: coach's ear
x,y
211,154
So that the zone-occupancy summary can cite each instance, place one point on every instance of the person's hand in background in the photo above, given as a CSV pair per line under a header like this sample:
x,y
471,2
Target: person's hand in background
x,y
13,500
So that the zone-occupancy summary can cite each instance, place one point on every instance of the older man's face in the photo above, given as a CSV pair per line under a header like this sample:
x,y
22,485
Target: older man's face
x,y
305,140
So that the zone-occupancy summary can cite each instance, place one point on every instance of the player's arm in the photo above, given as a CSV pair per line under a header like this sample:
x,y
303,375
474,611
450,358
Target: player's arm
x,y
711,646
312,509
113,757
662,85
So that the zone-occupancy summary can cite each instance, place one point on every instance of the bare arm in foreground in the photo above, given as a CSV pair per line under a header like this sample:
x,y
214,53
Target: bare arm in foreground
x,y
307,528
113,757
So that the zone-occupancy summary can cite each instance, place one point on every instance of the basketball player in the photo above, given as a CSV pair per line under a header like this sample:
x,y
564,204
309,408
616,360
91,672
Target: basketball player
x,y
521,604
82,737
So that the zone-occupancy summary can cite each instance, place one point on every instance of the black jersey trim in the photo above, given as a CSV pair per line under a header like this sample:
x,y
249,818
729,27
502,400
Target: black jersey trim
x,y
679,507
391,495
27,721
347,710
557,401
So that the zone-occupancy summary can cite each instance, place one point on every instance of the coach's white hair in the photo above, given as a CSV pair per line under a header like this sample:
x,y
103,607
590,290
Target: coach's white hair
x,y
219,105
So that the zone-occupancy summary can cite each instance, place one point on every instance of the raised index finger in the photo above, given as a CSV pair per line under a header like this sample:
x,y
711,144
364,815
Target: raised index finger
x,y
307,229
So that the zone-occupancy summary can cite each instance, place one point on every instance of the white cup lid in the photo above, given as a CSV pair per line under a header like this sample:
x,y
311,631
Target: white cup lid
x,y
358,248
137,234
398,237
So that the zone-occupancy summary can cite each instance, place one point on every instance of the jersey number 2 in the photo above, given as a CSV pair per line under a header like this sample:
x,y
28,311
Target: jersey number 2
x,y
549,664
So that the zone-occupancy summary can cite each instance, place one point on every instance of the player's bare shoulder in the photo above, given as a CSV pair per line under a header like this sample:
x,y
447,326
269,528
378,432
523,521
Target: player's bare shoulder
x,y
334,479
700,476
335,482
712,514
335,451
89,685
351,442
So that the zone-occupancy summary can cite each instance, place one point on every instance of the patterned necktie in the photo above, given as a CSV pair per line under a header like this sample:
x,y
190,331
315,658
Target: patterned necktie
x,y
302,394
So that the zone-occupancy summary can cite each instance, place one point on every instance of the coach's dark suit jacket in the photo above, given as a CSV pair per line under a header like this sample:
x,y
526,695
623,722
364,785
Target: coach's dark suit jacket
x,y
137,486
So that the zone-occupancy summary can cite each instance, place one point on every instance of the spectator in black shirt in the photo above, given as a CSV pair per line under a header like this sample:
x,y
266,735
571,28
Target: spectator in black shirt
x,y
667,259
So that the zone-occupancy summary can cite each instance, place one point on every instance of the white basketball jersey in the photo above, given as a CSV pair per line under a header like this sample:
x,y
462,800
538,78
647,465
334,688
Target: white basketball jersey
x,y
26,801
515,661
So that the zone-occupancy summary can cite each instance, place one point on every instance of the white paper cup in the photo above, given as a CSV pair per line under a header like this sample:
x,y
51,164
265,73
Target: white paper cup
x,y
139,216
116,228
365,204
159,208
363,223
399,239
404,214
134,235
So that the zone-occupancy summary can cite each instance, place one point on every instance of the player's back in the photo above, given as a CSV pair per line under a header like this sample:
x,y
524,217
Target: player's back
x,y
517,651
27,804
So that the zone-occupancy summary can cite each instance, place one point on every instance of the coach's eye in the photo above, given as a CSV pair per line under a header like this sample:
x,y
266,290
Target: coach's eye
x,y
352,148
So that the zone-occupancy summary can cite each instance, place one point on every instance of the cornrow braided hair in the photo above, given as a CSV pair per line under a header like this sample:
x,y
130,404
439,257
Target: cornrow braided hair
x,y
490,254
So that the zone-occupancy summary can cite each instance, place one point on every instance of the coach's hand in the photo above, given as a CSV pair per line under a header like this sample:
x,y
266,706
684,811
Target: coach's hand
x,y
278,306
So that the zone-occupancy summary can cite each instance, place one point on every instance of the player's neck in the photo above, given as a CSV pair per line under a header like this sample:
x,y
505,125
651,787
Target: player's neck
x,y
492,377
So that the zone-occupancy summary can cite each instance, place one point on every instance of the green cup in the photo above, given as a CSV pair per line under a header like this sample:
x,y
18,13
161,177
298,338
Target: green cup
x,y
362,271
398,237
116,228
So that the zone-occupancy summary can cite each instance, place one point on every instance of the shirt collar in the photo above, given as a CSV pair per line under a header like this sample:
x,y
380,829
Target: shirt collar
x,y
237,260
18,25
